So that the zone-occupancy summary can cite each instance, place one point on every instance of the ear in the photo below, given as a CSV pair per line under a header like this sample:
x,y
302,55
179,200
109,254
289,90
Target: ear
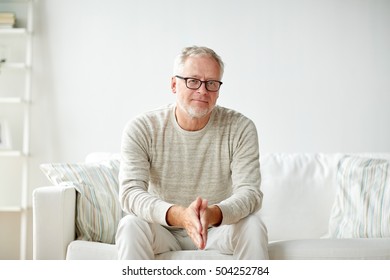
x,y
173,85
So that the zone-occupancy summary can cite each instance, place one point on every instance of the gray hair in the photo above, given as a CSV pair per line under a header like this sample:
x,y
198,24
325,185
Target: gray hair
x,y
196,51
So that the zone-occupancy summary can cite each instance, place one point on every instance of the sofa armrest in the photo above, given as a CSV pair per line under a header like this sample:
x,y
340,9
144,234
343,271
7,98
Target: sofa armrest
x,y
54,209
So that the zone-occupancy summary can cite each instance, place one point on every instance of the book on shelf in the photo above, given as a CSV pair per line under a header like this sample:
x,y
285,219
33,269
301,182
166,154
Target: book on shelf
x,y
7,20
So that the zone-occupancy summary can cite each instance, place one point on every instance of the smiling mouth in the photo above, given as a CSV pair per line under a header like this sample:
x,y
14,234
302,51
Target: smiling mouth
x,y
201,101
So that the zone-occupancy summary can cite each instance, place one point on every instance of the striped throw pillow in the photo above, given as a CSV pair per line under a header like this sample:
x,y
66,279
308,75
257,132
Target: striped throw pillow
x,y
362,205
97,207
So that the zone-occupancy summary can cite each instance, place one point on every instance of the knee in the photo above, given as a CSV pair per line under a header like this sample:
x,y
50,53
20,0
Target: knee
x,y
252,225
131,225
251,238
134,239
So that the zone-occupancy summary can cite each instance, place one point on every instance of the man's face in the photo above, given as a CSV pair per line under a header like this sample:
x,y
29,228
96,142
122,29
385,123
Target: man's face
x,y
200,102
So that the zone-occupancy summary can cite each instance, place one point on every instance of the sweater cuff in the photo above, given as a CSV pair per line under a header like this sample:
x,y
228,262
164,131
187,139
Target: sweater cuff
x,y
160,213
227,215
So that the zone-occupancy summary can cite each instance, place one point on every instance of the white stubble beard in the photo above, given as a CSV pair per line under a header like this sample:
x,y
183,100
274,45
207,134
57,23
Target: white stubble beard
x,y
192,111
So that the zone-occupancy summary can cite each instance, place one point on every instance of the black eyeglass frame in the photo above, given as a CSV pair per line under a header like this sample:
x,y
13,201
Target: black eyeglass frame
x,y
201,82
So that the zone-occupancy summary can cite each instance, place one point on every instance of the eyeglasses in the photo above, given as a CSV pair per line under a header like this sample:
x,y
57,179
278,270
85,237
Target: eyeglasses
x,y
192,83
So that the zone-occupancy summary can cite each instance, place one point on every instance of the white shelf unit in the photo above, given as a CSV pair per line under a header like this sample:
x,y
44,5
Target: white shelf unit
x,y
17,69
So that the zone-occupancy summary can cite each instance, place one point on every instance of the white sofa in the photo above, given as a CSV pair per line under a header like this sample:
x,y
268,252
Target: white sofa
x,y
299,194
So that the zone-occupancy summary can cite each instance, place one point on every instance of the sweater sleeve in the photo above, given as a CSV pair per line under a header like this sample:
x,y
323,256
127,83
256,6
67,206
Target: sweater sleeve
x,y
134,176
246,195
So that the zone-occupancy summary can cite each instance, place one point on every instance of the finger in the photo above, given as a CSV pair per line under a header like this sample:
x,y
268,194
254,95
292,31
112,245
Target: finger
x,y
199,242
196,205
204,220
196,238
192,223
204,204
198,202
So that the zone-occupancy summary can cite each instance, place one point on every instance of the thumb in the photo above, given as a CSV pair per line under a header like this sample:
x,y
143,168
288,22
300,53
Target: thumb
x,y
204,205
197,204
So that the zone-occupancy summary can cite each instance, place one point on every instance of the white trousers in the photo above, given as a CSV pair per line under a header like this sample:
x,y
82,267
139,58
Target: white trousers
x,y
138,240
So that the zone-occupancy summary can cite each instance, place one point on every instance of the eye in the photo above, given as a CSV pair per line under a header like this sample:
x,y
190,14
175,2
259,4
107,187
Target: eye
x,y
193,81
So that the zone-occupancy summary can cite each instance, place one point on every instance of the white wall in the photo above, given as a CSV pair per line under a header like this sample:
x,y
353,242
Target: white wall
x,y
313,75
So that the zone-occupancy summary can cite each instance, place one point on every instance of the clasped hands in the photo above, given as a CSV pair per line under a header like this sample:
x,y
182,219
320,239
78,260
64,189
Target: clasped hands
x,y
195,219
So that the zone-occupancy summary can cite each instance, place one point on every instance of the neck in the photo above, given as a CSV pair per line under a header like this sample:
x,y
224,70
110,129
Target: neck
x,y
189,123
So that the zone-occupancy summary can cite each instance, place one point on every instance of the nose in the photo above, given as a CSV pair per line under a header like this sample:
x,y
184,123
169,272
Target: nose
x,y
202,89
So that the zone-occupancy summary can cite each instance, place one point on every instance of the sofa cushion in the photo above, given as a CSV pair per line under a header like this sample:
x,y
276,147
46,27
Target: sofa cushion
x,y
306,249
89,250
362,206
83,250
97,206
331,249
299,191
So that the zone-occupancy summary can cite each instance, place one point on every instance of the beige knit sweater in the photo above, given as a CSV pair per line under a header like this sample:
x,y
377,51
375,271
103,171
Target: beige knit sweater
x,y
162,165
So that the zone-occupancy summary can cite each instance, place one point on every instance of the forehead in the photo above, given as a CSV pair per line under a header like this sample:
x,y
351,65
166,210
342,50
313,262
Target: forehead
x,y
201,65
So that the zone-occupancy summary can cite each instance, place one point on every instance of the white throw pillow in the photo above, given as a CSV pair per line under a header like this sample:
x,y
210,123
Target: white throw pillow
x,y
362,205
97,208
